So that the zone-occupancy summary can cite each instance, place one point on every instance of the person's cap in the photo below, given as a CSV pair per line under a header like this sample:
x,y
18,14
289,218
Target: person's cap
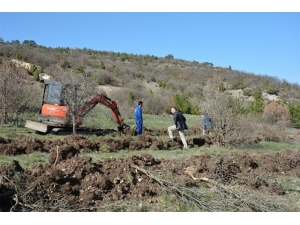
x,y
140,102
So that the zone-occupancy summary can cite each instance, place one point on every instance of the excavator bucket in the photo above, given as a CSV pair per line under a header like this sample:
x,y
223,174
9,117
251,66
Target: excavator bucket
x,y
37,126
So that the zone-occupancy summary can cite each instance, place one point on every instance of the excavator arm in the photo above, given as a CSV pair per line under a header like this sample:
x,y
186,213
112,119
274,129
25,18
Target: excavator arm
x,y
104,100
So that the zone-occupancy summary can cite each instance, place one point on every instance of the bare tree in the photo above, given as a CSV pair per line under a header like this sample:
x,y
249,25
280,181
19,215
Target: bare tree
x,y
226,121
75,92
16,95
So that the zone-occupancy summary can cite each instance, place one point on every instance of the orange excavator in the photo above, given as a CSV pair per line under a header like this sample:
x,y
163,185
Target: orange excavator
x,y
54,115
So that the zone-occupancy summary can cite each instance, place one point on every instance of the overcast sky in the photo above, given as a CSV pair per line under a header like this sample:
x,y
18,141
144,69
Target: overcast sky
x,y
255,41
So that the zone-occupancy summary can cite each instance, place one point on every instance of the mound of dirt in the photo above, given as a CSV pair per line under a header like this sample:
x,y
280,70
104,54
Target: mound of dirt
x,y
72,183
117,141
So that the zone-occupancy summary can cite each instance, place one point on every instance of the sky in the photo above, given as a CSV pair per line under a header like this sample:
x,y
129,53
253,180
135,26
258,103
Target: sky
x,y
256,39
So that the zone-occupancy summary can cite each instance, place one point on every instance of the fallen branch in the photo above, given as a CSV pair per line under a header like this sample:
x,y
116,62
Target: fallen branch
x,y
190,171
192,196
54,164
15,196
176,190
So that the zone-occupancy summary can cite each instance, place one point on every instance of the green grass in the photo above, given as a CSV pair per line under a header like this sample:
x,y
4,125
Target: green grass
x,y
151,122
159,154
291,184
105,120
179,154
271,147
26,161
100,121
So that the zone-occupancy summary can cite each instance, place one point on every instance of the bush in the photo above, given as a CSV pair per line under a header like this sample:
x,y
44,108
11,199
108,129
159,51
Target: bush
x,y
272,91
275,112
65,64
105,79
184,105
78,69
247,92
295,114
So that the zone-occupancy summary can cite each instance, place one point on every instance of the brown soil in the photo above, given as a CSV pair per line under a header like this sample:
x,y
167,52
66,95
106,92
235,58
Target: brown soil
x,y
72,183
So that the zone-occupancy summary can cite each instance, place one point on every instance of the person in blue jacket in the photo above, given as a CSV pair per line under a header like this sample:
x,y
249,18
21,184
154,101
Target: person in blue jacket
x,y
138,116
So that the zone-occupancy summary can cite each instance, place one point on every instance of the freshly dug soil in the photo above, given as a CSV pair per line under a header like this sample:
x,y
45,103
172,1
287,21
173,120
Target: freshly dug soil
x,y
72,183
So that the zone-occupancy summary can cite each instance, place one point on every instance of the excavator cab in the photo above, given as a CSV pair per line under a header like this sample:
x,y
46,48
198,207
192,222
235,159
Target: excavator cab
x,y
53,93
53,111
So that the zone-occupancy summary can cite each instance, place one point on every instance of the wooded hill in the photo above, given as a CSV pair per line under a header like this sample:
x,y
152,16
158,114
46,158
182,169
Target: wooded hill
x,y
193,87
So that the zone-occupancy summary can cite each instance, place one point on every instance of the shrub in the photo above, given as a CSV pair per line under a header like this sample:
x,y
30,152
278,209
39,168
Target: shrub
x,y
247,92
276,112
65,64
294,110
78,69
272,91
184,105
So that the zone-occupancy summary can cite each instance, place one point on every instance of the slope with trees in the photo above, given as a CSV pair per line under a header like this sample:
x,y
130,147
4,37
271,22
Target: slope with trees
x,y
177,82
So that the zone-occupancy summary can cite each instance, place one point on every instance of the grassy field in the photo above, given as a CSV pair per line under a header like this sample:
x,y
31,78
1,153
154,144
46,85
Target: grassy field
x,y
104,121
99,120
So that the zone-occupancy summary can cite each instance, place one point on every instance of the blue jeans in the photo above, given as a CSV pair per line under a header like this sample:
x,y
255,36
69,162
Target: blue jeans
x,y
139,129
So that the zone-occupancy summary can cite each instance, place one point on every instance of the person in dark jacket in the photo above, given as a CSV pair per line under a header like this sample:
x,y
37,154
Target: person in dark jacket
x,y
206,124
180,125
138,116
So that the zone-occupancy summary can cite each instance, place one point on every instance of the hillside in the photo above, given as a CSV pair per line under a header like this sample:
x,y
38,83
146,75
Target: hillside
x,y
158,82
132,71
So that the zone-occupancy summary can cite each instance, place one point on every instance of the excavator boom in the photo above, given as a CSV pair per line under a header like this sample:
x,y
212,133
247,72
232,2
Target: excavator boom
x,y
104,100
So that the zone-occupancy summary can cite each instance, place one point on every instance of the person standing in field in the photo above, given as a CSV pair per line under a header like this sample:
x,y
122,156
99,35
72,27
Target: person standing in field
x,y
138,116
180,125
206,124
